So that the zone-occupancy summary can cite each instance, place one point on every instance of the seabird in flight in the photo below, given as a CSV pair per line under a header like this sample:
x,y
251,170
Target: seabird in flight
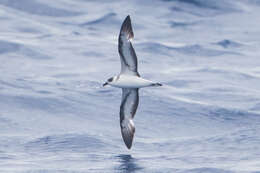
x,y
129,80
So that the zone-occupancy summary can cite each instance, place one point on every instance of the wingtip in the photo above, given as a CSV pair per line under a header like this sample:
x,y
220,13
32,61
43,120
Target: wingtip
x,y
128,130
127,21
128,143
128,146
128,17
128,138
127,27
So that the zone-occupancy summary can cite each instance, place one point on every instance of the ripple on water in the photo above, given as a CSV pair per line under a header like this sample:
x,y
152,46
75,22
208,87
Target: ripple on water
x,y
37,8
65,143
6,47
228,44
191,50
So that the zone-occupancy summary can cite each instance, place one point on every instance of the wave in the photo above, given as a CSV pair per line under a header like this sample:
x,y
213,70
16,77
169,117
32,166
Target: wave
x,y
37,8
20,49
191,50
203,8
47,104
228,44
6,47
205,170
175,24
106,19
65,143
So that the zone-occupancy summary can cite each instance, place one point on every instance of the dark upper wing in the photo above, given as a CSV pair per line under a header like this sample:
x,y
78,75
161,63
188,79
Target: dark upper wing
x,y
129,104
126,51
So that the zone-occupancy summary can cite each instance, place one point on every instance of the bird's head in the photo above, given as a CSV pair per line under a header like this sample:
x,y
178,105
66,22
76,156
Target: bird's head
x,y
110,80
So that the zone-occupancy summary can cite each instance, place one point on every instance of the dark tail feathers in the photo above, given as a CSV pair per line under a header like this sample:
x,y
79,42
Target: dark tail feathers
x,y
156,84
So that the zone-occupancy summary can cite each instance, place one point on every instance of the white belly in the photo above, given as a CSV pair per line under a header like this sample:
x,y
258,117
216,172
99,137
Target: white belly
x,y
128,81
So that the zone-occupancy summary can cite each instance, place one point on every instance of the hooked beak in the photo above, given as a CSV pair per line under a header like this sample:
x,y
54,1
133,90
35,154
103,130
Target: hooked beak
x,y
105,84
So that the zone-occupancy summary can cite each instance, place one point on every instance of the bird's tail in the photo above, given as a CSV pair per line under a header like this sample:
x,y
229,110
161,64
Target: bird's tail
x,y
156,84
127,131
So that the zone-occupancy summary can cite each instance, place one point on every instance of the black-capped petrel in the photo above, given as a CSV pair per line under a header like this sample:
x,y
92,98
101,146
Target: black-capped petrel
x,y
129,80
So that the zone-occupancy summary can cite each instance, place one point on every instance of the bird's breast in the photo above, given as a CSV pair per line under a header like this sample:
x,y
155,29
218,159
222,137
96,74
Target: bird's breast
x,y
128,81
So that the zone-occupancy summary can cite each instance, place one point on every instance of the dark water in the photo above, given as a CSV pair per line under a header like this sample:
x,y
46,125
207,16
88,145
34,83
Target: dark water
x,y
56,117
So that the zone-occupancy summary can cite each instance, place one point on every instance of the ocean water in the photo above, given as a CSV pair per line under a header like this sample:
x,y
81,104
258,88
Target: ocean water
x,y
55,116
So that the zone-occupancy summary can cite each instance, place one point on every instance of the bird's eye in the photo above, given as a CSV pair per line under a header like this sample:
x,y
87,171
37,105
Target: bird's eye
x,y
110,79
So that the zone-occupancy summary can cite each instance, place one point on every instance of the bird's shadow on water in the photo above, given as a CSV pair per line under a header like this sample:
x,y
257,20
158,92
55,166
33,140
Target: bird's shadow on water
x,y
127,164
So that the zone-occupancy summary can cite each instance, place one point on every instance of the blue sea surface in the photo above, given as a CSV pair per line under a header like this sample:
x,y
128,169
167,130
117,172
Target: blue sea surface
x,y
55,116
